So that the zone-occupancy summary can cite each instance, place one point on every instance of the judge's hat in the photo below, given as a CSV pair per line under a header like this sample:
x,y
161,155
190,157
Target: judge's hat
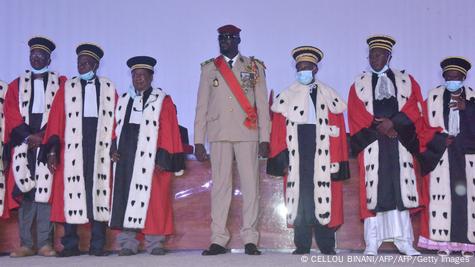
x,y
381,41
91,50
43,43
456,63
142,62
307,53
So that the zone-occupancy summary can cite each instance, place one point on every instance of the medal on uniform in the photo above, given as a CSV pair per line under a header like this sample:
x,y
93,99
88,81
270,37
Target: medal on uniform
x,y
215,82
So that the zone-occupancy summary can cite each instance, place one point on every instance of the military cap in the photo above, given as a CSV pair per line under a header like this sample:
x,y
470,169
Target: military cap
x,y
229,29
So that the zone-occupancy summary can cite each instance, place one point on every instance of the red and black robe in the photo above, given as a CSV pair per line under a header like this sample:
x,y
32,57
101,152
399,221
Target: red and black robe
x,y
142,197
295,145
81,184
27,177
387,167
449,181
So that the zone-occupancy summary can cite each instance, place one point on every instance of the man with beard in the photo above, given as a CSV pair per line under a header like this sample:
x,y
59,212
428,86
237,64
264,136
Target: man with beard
x,y
233,111
384,107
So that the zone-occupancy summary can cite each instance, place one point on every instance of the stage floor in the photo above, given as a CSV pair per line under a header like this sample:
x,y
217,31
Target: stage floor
x,y
269,258
191,193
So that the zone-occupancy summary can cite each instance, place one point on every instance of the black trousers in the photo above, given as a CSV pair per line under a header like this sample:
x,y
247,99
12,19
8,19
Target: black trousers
x,y
324,237
70,240
306,223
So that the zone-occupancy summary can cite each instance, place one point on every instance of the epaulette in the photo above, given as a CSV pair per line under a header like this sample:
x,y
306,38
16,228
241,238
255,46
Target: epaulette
x,y
258,61
207,61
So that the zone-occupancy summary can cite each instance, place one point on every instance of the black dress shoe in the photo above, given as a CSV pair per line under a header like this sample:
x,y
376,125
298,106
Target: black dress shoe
x,y
301,251
126,252
251,249
328,252
68,253
214,249
158,251
99,252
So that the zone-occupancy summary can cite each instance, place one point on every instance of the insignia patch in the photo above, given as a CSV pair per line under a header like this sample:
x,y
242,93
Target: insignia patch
x,y
248,80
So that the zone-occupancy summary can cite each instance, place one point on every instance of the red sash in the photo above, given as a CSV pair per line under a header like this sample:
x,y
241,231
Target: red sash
x,y
235,86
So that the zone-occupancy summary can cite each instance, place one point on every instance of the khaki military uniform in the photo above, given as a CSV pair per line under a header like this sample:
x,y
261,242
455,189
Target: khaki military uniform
x,y
220,117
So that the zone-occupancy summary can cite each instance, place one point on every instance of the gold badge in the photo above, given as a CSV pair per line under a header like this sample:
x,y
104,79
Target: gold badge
x,y
215,82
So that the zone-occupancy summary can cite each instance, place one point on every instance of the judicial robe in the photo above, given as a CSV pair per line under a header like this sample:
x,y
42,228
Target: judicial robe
x,y
387,167
449,186
29,178
4,211
81,185
141,193
330,155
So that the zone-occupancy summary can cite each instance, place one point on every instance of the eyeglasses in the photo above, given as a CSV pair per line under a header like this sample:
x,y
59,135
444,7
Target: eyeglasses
x,y
227,36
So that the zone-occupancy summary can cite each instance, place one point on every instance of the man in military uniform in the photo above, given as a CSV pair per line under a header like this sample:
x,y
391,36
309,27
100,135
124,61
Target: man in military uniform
x,y
233,112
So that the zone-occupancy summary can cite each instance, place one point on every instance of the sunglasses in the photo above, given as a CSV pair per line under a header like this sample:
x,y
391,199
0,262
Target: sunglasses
x,y
227,36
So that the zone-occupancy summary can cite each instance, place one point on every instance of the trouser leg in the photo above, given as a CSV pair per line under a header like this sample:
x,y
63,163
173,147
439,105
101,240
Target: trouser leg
x,y
98,235
26,215
127,240
153,241
221,190
248,167
70,240
44,227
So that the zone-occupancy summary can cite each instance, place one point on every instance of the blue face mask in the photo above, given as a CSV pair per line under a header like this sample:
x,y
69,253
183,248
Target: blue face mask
x,y
305,77
87,76
40,71
453,86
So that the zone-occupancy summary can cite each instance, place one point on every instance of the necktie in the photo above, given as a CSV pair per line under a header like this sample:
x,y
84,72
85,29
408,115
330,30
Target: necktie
x,y
230,63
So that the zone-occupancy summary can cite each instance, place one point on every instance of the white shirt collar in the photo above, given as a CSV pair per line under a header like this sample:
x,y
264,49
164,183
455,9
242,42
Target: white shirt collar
x,y
234,59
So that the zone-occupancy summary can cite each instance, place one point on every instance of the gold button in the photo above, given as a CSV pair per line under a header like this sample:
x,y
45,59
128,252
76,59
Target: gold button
x,y
231,110
230,97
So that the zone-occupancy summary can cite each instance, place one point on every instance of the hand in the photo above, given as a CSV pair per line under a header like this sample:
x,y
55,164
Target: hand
x,y
34,140
115,156
200,152
52,162
449,140
457,103
384,125
264,149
